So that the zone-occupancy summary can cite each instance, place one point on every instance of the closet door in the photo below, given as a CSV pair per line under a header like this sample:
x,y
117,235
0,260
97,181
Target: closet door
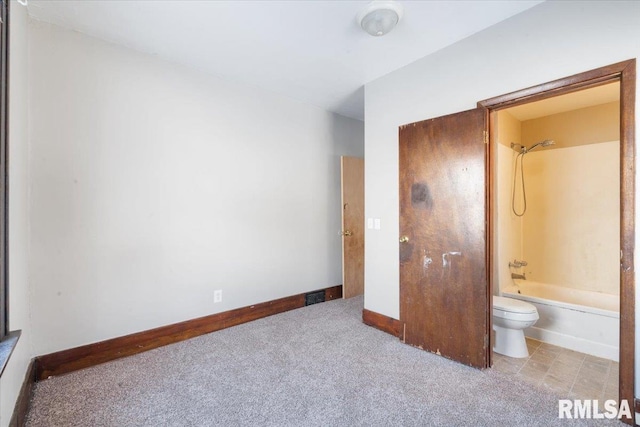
x,y
444,294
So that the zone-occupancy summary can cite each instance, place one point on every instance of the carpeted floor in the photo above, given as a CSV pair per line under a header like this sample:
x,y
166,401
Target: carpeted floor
x,y
316,366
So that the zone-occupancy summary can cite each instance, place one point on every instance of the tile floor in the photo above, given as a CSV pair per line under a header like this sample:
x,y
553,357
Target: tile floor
x,y
566,372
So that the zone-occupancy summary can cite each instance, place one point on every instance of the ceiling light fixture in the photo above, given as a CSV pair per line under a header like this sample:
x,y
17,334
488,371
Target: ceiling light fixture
x,y
380,17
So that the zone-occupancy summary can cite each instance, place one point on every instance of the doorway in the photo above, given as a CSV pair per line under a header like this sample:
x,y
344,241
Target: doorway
x,y
623,73
557,236
352,195
432,205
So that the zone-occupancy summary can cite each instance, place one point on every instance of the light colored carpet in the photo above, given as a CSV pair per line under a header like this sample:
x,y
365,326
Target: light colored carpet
x,y
315,366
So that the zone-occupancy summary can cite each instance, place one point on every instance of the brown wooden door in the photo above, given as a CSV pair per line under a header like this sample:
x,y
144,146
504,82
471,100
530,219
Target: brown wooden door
x,y
352,172
444,292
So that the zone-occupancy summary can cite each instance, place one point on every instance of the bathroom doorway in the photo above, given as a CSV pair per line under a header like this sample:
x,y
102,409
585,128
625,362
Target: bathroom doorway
x,y
557,236
613,153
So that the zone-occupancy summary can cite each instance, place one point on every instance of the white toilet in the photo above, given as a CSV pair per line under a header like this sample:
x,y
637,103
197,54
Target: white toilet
x,y
510,317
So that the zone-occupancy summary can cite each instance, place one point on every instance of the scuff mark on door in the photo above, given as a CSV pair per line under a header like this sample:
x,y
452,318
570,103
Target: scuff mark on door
x,y
426,261
445,261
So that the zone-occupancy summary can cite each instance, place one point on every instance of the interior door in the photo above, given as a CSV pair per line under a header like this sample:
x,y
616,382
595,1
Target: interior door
x,y
444,290
352,173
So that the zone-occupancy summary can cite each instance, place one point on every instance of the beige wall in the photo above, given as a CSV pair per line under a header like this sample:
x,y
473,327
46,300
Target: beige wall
x,y
571,229
591,125
570,232
508,238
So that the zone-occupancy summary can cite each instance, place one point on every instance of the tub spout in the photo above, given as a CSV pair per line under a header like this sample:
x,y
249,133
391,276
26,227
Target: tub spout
x,y
518,276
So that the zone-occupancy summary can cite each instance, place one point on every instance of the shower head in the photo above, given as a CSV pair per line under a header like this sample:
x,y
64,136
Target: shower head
x,y
545,143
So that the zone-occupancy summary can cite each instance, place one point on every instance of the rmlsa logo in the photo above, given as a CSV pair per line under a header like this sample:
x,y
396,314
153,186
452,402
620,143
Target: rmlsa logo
x,y
591,409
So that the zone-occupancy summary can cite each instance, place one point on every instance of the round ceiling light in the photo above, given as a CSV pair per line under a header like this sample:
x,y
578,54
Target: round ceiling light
x,y
380,17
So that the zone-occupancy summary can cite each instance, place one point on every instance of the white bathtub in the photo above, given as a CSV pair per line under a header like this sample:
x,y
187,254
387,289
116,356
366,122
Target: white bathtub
x,y
584,321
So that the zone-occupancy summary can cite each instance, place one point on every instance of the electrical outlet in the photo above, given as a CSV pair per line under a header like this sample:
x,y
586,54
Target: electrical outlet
x,y
217,296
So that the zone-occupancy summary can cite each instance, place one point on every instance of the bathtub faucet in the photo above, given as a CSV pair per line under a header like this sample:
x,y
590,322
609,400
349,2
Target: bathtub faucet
x,y
518,264
518,276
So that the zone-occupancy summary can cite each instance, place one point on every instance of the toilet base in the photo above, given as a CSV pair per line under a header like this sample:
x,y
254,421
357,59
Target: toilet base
x,y
510,342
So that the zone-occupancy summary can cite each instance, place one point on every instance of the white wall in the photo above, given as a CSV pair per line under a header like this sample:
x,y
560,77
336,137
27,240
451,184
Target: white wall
x,y
571,231
547,42
153,185
14,373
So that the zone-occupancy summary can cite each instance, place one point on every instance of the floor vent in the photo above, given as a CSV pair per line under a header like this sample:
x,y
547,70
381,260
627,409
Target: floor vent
x,y
314,297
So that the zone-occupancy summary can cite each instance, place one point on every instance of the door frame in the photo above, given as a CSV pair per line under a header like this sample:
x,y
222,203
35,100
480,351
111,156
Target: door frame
x,y
625,73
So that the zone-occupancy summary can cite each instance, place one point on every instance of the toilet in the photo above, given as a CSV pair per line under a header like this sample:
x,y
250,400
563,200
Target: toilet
x,y
510,317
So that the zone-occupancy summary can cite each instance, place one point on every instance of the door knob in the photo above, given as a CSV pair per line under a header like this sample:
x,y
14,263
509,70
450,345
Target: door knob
x,y
347,233
404,239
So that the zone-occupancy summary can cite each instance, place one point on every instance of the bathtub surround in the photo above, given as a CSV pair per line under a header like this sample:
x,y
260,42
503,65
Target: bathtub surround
x,y
571,231
315,366
508,238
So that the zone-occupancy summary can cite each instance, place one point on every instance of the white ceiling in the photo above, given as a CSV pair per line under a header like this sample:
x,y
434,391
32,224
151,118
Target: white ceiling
x,y
312,51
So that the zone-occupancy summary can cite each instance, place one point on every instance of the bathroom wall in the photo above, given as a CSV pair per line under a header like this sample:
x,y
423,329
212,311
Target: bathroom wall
x,y
571,231
153,185
508,235
590,125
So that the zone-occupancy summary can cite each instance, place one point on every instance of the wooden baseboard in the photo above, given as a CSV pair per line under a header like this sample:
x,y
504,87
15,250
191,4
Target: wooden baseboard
x,y
85,356
21,409
384,323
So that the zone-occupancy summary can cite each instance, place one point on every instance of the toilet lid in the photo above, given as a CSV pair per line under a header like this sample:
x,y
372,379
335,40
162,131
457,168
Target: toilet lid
x,y
513,305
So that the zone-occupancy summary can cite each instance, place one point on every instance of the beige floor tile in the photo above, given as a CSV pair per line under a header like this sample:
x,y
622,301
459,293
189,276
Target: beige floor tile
x,y
613,380
567,373
538,365
533,380
566,369
567,380
597,360
550,348
514,360
532,371
609,394
589,382
584,392
533,342
505,368
567,354
544,358
558,386
595,367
